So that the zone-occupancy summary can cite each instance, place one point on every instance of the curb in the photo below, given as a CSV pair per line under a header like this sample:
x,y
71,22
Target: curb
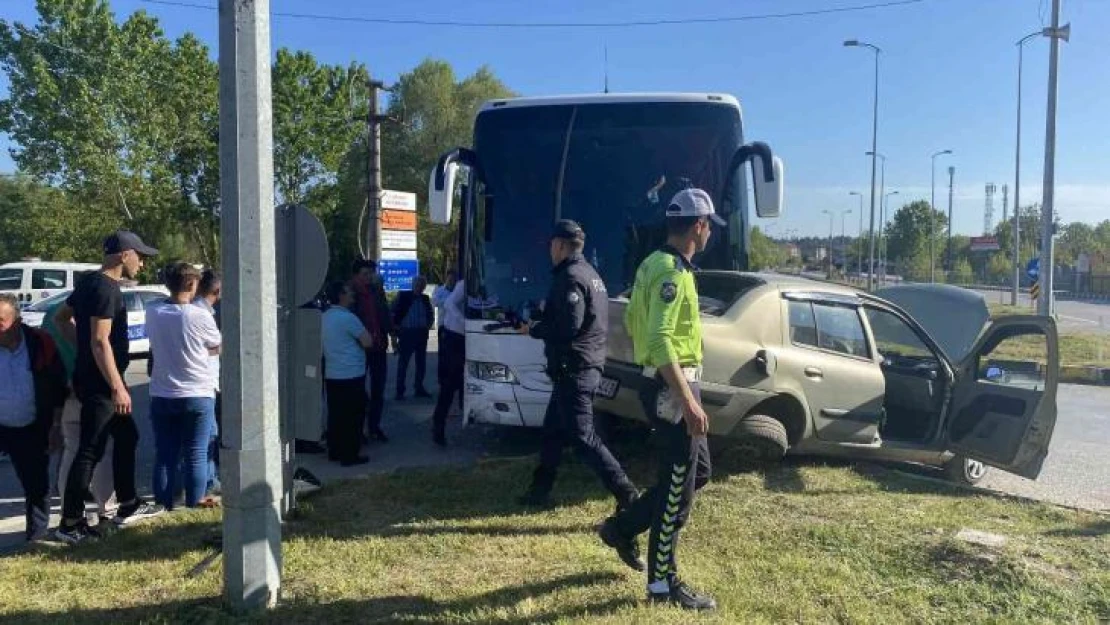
x,y
1095,376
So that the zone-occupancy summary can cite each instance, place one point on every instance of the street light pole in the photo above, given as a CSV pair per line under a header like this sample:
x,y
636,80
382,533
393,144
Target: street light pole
x,y
859,235
844,239
1056,33
874,147
932,212
882,219
1017,177
951,177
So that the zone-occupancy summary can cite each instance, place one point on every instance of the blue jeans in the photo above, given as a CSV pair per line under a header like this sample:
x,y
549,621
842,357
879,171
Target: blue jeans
x,y
181,427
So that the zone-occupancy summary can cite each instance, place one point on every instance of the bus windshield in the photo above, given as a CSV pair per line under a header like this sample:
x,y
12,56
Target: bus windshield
x,y
612,167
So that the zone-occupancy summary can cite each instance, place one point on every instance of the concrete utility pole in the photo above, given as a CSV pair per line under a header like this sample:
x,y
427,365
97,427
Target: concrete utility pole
x,y
374,174
251,449
1055,33
932,214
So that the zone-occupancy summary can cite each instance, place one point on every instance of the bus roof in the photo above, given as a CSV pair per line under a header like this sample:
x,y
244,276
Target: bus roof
x,y
610,98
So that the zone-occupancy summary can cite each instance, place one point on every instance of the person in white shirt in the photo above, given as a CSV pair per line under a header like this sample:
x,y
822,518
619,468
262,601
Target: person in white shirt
x,y
209,293
182,393
452,359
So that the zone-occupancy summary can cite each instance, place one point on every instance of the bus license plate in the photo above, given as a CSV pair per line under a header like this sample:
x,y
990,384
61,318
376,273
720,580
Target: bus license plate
x,y
608,388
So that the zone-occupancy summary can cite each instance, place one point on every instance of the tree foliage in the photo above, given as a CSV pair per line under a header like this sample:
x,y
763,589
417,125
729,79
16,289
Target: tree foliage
x,y
765,253
117,126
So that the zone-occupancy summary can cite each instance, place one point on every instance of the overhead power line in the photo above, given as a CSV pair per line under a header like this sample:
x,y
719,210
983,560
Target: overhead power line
x,y
616,24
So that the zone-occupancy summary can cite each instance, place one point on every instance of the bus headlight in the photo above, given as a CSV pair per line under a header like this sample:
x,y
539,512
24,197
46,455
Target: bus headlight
x,y
491,372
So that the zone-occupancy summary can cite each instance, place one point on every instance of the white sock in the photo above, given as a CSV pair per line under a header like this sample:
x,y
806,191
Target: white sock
x,y
660,587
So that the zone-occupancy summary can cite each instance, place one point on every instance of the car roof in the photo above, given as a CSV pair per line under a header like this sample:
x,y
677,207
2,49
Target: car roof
x,y
787,282
48,264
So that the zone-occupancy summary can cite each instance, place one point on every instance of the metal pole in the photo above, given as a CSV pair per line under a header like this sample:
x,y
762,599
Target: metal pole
x,y
374,175
251,449
1017,178
874,157
951,177
1044,306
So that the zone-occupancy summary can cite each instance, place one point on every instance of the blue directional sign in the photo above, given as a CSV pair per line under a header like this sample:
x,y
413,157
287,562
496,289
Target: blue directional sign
x,y
397,275
1033,269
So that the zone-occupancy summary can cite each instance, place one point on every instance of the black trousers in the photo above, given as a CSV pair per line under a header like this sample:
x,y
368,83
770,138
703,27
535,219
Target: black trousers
x,y
27,447
570,419
346,405
452,366
684,468
411,342
377,368
99,421
439,359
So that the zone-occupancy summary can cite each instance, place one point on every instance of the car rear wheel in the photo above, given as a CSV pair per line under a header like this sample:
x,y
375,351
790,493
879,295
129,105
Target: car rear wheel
x,y
964,470
759,438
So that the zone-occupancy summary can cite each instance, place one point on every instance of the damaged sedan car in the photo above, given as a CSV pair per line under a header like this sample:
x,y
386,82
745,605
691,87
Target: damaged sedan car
x,y
914,373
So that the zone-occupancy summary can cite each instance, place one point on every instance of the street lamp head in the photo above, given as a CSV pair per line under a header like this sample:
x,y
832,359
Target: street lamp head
x,y
936,154
855,193
851,43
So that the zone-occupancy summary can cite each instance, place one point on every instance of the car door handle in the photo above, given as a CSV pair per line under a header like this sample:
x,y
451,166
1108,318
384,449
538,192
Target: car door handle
x,y
814,372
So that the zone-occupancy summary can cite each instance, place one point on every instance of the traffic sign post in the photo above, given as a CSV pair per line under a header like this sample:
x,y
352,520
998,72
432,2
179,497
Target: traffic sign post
x,y
398,265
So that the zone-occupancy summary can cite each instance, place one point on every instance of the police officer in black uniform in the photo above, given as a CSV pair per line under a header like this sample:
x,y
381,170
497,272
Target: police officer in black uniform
x,y
574,328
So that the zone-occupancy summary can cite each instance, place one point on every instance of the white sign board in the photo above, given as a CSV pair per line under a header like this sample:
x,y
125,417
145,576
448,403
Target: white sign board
x,y
398,201
1083,263
398,254
398,240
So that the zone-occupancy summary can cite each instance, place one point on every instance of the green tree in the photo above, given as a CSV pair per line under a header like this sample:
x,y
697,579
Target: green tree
x,y
962,273
765,253
319,113
907,236
437,111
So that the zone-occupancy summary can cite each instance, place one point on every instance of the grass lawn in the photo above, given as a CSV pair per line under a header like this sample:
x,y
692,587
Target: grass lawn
x,y
800,543
1076,348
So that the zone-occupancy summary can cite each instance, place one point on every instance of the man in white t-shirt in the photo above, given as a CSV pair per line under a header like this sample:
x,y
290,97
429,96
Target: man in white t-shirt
x,y
182,393
209,293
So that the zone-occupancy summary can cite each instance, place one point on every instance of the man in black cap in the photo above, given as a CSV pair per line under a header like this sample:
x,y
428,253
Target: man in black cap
x,y
94,318
574,328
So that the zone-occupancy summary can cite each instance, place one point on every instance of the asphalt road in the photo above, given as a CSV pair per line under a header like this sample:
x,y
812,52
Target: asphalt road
x,y
1070,316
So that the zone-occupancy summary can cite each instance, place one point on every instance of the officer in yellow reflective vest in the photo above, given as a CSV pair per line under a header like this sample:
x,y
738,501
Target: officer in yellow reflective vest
x,y
662,319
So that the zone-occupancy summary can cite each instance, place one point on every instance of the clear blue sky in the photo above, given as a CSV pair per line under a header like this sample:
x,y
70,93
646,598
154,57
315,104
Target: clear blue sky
x,y
948,81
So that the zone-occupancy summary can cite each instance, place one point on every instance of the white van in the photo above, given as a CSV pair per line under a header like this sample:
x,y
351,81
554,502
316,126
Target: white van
x,y
33,280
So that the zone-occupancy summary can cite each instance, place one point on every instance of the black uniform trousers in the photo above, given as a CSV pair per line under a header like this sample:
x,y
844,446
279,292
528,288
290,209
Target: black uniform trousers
x,y
99,420
451,369
684,468
27,447
570,419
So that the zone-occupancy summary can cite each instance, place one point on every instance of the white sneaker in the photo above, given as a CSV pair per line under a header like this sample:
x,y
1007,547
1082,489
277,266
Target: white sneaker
x,y
138,511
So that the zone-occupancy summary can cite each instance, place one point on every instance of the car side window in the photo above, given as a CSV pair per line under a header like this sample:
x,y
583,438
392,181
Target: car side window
x,y
894,338
48,279
839,329
134,304
150,296
803,326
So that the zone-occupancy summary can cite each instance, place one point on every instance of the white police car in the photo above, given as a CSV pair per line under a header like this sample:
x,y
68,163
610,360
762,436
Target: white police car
x,y
135,298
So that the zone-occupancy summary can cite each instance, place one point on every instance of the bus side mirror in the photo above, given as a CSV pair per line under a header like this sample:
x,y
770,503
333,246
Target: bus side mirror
x,y
441,193
768,193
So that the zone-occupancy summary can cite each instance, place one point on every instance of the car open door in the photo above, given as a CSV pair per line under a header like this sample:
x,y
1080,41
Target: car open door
x,y
1004,403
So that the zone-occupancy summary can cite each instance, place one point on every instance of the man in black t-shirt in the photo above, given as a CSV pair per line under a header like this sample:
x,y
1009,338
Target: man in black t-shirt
x,y
95,318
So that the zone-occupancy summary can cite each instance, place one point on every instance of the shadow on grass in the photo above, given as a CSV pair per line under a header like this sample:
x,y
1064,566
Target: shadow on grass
x,y
1094,529
393,609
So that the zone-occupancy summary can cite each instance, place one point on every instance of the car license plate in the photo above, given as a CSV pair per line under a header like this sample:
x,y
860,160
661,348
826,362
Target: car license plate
x,y
135,333
608,388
